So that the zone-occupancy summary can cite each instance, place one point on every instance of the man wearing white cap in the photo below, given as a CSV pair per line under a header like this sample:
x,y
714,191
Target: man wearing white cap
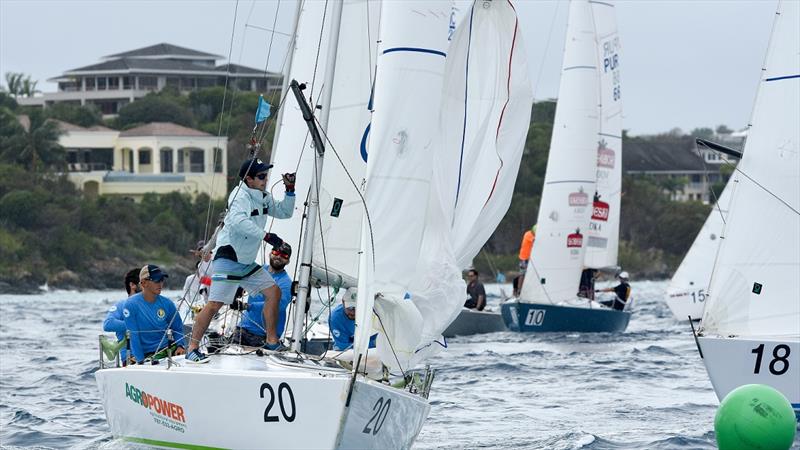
x,y
343,322
623,291
238,243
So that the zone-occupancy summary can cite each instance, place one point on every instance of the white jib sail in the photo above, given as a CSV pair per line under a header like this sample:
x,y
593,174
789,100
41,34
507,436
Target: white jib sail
x,y
557,257
293,149
602,236
414,39
754,288
340,205
485,115
687,290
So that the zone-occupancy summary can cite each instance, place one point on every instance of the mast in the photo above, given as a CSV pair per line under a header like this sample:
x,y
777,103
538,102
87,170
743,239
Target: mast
x,y
313,198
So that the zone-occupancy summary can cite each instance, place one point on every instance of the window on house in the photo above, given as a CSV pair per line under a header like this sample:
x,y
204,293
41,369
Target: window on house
x,y
218,160
113,83
196,161
144,156
89,83
148,83
101,83
695,178
127,83
166,160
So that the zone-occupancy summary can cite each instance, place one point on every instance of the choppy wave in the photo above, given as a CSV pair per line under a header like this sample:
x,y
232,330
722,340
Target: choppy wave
x,y
643,389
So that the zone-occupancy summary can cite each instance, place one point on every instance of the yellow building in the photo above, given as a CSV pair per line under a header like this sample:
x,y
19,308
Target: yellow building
x,y
158,157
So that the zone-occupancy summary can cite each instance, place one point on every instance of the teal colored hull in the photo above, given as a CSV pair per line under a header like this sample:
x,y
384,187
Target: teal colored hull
x,y
534,318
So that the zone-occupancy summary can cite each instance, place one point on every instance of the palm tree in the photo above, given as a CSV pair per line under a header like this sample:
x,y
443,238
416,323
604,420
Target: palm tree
x,y
35,143
28,88
14,83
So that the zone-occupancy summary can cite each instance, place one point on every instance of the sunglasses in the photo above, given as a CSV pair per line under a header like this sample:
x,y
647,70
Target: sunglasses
x,y
280,254
261,176
160,280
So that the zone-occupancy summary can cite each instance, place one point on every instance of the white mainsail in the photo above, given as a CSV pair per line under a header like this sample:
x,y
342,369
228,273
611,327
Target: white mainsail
x,y
292,149
754,289
688,287
602,235
564,212
463,180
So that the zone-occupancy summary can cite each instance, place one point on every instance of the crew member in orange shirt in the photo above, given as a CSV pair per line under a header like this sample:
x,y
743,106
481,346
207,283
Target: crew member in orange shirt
x,y
524,256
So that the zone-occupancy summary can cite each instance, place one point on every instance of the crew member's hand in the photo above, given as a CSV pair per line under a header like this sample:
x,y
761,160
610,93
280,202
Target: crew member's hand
x,y
238,305
273,240
289,181
180,351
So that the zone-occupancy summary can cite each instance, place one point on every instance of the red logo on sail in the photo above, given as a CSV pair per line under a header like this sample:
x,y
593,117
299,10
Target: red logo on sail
x,y
605,156
599,209
578,198
575,240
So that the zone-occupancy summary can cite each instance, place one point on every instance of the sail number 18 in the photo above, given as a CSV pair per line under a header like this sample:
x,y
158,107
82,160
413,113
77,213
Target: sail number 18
x,y
780,359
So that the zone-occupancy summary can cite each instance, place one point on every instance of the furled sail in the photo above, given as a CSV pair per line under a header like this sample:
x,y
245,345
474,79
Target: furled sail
x,y
565,209
602,235
754,289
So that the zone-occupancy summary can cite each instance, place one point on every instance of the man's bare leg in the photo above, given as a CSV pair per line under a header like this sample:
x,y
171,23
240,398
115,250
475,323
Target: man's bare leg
x,y
201,322
272,299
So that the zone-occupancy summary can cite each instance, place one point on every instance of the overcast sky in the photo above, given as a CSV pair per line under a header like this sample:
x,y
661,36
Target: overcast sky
x,y
686,64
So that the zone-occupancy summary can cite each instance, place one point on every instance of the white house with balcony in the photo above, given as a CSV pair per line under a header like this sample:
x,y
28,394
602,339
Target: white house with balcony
x,y
121,78
158,157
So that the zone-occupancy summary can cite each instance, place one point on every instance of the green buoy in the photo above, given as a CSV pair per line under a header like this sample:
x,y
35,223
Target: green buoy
x,y
755,416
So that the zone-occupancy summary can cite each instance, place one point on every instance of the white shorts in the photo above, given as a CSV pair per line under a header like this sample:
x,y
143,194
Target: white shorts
x,y
227,276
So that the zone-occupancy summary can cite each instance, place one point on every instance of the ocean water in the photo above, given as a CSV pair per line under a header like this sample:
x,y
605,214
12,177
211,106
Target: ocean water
x,y
642,389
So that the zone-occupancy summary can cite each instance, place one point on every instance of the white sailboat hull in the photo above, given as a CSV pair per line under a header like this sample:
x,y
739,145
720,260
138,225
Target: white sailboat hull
x,y
249,401
733,362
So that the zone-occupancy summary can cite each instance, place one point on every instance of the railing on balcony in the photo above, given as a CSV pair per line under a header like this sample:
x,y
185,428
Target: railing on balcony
x,y
88,167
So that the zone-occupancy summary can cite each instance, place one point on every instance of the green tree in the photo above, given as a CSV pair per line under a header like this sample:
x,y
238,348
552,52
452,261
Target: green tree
x,y
34,146
84,116
722,129
705,133
154,108
20,84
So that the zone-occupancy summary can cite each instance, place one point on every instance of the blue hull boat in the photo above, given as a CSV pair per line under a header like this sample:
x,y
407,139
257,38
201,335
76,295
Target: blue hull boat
x,y
534,317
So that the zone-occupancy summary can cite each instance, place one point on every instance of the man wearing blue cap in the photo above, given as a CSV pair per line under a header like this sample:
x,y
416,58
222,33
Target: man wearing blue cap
x,y
238,243
148,316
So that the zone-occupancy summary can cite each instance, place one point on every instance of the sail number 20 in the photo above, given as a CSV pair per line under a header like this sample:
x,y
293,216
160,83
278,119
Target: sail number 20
x,y
284,391
380,411
780,359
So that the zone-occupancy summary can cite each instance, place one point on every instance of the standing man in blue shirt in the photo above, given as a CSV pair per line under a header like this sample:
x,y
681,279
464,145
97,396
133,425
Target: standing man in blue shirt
x,y
251,330
238,243
148,316
343,322
115,321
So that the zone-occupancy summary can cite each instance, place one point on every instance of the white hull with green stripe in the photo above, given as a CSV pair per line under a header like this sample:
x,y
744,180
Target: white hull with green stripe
x,y
250,401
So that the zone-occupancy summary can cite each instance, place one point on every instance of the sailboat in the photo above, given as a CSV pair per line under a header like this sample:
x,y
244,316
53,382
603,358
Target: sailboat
x,y
578,223
687,290
750,331
420,225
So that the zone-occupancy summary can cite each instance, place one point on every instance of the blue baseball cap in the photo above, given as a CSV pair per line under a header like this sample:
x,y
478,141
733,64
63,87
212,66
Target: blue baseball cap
x,y
255,167
153,273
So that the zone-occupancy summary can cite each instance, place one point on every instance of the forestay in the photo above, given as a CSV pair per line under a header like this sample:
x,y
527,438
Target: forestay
x,y
564,212
602,236
754,288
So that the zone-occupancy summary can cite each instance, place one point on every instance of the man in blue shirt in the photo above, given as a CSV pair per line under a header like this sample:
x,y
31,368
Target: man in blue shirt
x,y
148,316
115,321
251,330
343,323
238,243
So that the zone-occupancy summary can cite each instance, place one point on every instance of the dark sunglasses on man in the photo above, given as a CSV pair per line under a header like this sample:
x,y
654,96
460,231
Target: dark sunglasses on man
x,y
261,176
280,254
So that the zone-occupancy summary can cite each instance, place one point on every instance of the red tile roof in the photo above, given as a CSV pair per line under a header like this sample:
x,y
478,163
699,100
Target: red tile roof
x,y
162,129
